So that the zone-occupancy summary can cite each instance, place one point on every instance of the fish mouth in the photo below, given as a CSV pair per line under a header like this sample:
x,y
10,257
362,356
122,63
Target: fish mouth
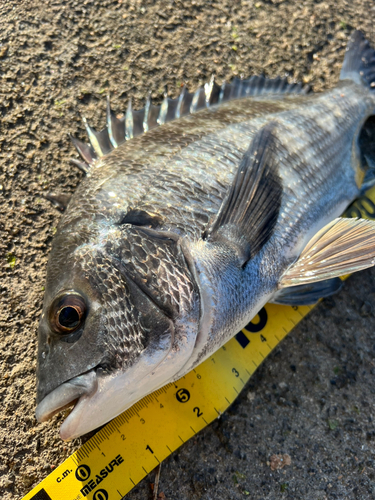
x,y
70,393
98,398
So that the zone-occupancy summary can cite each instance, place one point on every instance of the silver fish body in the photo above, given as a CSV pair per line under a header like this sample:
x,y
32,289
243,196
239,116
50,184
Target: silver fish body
x,y
139,291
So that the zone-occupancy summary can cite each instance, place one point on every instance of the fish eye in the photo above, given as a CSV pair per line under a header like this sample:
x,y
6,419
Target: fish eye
x,y
68,313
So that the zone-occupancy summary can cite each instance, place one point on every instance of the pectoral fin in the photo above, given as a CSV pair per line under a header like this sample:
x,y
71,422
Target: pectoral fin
x,y
342,247
249,213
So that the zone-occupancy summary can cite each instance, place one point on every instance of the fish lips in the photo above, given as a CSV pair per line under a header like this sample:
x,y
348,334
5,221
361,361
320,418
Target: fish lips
x,y
78,388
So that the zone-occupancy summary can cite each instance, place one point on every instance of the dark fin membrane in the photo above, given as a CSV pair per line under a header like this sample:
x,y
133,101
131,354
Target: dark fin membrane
x,y
249,212
258,86
86,152
60,200
359,61
119,130
305,295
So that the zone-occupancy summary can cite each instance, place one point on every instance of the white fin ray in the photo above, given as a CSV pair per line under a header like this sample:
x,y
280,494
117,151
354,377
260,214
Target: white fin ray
x,y
342,247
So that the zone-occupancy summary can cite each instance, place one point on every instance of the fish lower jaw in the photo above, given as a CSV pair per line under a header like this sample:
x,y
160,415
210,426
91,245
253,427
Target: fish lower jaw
x,y
115,393
47,416
118,391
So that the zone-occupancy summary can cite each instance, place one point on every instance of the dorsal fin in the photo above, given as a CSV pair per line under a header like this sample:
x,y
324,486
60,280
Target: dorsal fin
x,y
359,61
133,123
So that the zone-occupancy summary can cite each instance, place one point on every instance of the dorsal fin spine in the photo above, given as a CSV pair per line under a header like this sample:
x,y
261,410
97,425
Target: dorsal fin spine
x,y
163,110
110,124
221,95
180,100
147,111
119,130
92,138
129,121
194,102
81,165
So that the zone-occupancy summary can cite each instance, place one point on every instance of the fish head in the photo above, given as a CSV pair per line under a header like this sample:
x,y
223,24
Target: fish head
x,y
120,318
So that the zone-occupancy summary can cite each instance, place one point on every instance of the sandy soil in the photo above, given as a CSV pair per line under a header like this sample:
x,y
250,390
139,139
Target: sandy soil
x,y
314,397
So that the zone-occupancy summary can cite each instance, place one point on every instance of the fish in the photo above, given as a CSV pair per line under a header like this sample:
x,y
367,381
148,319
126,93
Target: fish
x,y
191,217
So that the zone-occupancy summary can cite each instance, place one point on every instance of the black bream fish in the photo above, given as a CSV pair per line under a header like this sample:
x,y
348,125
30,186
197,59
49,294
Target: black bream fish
x,y
178,237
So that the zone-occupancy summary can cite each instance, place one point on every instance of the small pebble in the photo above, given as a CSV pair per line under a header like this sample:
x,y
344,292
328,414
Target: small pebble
x,y
279,461
251,396
366,309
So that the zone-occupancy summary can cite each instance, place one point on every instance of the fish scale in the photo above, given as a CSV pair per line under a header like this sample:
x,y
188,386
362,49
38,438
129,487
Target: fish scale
x,y
157,265
329,168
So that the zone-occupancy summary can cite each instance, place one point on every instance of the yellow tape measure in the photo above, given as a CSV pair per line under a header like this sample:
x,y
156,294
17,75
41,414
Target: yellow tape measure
x,y
112,462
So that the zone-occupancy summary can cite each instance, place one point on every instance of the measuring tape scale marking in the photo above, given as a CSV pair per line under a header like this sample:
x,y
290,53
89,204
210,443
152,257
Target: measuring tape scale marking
x,y
129,447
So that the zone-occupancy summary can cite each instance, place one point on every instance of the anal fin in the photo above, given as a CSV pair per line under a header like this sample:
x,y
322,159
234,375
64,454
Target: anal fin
x,y
305,295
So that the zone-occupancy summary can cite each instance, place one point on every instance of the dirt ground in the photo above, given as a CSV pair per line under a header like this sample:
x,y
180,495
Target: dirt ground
x,y
314,397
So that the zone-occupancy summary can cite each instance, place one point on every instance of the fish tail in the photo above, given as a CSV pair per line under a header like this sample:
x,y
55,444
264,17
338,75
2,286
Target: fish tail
x,y
359,61
359,67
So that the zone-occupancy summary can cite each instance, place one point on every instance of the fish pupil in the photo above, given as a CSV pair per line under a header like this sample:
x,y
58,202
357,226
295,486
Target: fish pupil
x,y
69,317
